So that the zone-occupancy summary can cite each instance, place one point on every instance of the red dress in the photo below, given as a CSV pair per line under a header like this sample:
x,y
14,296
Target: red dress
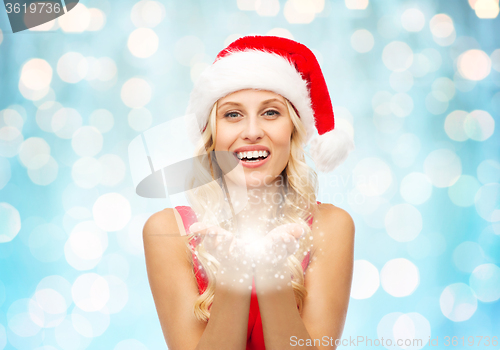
x,y
255,335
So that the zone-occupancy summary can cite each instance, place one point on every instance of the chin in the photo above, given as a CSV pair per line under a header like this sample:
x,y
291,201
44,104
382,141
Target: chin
x,y
257,179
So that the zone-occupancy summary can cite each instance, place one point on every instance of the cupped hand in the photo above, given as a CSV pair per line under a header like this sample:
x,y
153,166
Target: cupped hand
x,y
278,245
271,268
235,267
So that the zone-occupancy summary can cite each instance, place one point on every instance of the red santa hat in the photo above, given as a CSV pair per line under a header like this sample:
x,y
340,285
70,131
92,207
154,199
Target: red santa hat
x,y
285,67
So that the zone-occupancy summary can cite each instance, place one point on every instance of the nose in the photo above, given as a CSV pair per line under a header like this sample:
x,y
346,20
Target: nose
x,y
253,131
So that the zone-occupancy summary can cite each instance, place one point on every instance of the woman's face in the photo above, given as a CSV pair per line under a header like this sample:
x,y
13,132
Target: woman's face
x,y
255,126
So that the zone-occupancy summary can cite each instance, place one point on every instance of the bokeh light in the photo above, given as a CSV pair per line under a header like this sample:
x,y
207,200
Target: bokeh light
x,y
36,74
485,282
87,172
113,169
147,13
489,240
362,40
72,67
365,281
458,302
372,176
140,119
416,188
399,277
474,65
479,125
87,141
397,56
143,42
403,222
356,4
467,256
111,212
487,202
268,8
442,29
85,246
102,120
90,292
34,153
5,172
404,328
442,167
77,20
413,20
299,11
65,122
97,20
454,125
463,192
136,93
486,8
10,223
488,171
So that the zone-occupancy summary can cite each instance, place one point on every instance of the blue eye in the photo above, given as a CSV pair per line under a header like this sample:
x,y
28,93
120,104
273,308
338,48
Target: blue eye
x,y
274,113
231,115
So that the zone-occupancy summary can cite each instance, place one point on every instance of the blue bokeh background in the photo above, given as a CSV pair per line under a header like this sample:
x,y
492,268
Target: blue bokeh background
x,y
416,82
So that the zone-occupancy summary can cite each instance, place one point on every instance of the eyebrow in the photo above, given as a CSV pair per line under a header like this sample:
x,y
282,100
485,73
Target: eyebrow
x,y
263,103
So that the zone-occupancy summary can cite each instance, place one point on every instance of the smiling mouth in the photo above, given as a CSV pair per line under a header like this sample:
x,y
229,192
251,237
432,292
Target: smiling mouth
x,y
252,157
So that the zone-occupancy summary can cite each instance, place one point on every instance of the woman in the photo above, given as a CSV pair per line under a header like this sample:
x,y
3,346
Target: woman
x,y
271,268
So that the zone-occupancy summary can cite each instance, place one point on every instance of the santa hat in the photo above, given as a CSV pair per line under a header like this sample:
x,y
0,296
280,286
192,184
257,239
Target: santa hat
x,y
287,68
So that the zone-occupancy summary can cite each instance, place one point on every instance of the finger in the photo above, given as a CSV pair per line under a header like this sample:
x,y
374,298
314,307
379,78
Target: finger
x,y
197,227
287,244
292,246
296,230
209,240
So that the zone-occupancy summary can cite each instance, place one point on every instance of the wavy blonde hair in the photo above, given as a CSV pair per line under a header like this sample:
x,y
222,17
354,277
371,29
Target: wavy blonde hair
x,y
210,201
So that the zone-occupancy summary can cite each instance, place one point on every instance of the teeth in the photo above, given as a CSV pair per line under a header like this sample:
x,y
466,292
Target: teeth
x,y
252,154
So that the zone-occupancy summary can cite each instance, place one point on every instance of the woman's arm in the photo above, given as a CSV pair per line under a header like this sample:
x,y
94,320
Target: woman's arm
x,y
328,282
175,291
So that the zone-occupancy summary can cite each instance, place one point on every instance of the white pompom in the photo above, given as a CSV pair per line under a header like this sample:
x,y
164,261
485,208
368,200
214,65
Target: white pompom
x,y
331,149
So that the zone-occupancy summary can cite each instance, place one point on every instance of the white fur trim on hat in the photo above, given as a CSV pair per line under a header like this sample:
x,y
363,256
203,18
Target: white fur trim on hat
x,y
331,149
251,69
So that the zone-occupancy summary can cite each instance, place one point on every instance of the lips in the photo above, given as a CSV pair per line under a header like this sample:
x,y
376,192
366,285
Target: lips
x,y
252,156
252,148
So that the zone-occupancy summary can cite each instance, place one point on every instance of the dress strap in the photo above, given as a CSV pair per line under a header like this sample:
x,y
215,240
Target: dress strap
x,y
188,218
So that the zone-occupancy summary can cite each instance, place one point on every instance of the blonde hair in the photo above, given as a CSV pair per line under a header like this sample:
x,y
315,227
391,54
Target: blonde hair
x,y
209,201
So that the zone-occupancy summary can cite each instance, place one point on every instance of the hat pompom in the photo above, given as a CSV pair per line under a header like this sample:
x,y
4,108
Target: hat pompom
x,y
331,149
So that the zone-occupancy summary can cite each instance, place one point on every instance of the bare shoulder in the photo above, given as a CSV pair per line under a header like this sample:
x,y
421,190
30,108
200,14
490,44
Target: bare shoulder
x,y
164,222
164,238
332,227
329,214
